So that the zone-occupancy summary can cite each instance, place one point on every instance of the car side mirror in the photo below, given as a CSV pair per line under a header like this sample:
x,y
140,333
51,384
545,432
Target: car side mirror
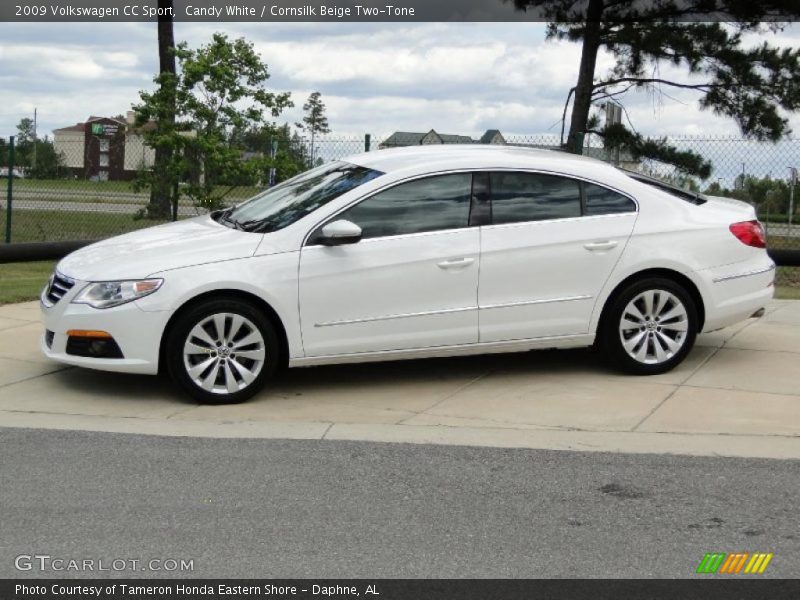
x,y
340,232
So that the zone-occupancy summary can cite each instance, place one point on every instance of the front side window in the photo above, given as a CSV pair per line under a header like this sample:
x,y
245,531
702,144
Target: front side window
x,y
292,200
602,201
521,197
430,204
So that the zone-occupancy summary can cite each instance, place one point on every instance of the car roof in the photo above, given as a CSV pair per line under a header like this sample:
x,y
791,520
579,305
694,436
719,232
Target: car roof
x,y
439,157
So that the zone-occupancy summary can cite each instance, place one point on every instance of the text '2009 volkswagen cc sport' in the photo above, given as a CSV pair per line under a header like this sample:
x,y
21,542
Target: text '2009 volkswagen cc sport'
x,y
409,253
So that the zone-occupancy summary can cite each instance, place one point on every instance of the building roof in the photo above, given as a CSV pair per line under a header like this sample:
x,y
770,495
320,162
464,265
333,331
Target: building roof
x,y
78,127
95,118
448,138
404,138
413,138
487,137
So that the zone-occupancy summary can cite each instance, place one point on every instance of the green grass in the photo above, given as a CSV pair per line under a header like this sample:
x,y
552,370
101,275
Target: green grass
x,y
778,242
56,225
787,292
77,185
20,282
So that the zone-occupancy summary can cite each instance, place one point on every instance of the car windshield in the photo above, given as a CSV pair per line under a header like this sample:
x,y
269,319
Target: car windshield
x,y
292,200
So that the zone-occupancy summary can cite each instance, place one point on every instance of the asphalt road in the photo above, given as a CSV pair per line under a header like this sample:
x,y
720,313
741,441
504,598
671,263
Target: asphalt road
x,y
266,508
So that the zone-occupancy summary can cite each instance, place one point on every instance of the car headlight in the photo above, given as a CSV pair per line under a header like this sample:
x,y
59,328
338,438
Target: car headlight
x,y
105,294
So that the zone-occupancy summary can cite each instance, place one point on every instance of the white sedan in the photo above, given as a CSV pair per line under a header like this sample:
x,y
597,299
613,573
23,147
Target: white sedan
x,y
409,253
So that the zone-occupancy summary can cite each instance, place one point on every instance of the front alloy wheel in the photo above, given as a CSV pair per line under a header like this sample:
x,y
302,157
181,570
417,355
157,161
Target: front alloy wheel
x,y
222,351
649,327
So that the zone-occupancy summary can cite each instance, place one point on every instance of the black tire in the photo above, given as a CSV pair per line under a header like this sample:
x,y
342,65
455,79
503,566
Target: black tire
x,y
611,338
177,363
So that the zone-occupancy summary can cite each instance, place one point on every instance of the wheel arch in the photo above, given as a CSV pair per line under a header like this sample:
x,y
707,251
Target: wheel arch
x,y
676,276
217,294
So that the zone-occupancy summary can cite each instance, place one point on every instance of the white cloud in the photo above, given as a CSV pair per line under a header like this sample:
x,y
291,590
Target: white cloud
x,y
66,63
454,77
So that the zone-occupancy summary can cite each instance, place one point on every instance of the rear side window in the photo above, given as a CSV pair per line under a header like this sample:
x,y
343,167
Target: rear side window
x,y
520,197
602,201
429,204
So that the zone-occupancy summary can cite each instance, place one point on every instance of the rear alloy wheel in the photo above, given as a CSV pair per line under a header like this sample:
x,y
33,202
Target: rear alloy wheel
x,y
651,327
222,351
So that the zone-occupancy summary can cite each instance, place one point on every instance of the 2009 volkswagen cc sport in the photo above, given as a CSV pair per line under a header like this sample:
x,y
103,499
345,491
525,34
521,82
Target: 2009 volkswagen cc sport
x,y
413,252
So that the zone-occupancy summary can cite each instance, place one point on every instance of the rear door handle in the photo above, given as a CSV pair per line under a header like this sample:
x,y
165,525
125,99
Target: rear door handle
x,y
455,263
600,246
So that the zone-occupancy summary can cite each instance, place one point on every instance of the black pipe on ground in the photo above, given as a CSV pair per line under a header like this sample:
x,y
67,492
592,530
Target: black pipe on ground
x,y
31,251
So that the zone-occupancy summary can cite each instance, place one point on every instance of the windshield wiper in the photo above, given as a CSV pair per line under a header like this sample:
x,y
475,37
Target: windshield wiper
x,y
225,216
256,226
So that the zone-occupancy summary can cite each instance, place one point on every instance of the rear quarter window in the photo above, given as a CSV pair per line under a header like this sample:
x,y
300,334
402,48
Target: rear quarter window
x,y
603,201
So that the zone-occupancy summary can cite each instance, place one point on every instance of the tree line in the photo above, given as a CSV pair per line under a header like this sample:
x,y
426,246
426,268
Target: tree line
x,y
34,157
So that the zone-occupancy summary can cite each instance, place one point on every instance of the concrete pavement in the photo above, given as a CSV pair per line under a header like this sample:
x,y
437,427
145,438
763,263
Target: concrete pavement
x,y
738,394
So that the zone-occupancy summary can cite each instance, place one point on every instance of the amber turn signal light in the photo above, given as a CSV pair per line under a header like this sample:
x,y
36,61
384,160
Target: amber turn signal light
x,y
88,333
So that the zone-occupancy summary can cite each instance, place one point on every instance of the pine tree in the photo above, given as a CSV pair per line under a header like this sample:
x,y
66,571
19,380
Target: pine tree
x,y
755,86
315,121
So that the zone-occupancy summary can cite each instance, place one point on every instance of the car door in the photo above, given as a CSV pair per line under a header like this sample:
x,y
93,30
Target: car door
x,y
410,282
552,244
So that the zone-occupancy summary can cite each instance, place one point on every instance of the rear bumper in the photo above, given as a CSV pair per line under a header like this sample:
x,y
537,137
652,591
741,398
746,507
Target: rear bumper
x,y
735,292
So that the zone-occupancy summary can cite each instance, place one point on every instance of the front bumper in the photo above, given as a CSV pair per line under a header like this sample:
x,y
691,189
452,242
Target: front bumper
x,y
136,332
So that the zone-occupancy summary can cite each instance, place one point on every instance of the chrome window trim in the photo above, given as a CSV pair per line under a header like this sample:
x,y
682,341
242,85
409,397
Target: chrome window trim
x,y
333,216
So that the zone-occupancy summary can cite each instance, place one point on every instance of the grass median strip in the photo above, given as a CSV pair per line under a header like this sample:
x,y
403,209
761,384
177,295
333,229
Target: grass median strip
x,y
21,282
56,225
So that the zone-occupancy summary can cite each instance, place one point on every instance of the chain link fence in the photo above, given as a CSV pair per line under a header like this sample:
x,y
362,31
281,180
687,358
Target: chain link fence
x,y
83,187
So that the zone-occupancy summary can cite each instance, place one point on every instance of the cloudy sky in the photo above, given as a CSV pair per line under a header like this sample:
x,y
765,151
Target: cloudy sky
x,y
377,78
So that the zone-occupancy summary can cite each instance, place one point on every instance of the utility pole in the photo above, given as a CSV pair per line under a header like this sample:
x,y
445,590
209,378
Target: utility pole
x,y
35,138
10,197
273,152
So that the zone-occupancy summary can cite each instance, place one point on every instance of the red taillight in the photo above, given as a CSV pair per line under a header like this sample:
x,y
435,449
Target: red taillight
x,y
749,233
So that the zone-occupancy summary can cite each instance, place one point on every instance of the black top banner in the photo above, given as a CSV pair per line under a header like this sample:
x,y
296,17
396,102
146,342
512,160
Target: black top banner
x,y
372,11
399,589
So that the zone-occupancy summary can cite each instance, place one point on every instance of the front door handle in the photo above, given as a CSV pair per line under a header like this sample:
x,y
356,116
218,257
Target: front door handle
x,y
600,246
455,263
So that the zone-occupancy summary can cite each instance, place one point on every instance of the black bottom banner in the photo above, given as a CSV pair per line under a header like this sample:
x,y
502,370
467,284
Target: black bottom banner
x,y
397,589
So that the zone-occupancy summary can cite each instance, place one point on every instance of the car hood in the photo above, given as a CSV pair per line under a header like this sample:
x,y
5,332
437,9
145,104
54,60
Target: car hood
x,y
171,246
